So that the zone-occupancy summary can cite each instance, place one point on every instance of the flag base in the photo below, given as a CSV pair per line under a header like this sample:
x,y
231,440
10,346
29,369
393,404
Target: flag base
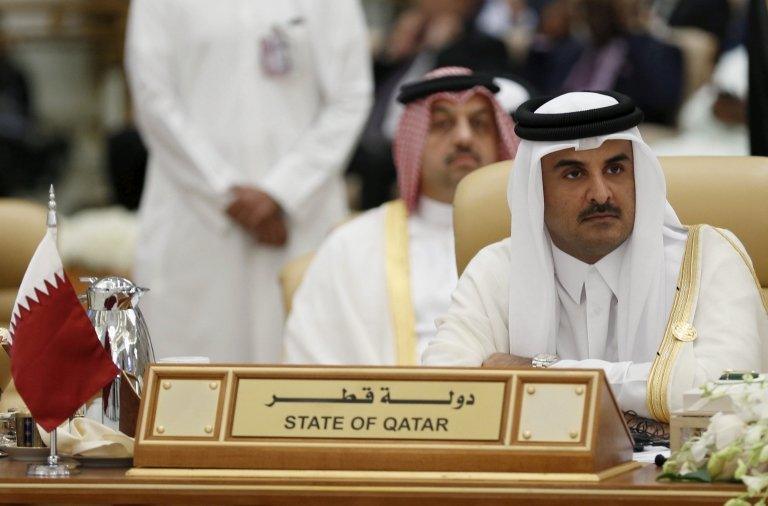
x,y
61,470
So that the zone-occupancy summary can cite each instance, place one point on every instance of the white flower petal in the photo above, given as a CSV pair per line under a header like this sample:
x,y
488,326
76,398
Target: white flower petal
x,y
755,484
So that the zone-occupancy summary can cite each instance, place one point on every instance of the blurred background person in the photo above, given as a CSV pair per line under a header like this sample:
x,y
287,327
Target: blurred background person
x,y
714,119
126,166
426,35
375,287
617,53
29,156
249,111
553,49
710,16
512,21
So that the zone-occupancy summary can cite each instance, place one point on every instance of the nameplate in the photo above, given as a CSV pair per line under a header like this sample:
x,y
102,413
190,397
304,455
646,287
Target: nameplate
x,y
379,418
332,409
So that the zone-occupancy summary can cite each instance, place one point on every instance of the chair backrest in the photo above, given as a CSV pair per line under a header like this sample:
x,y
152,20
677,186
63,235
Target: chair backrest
x,y
725,191
22,225
291,276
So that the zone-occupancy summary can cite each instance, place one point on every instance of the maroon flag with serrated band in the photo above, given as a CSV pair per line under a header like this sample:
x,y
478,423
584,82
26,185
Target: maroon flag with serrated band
x,y
57,361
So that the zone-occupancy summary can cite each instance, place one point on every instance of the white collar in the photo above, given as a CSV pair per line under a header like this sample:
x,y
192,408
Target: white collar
x,y
435,212
572,272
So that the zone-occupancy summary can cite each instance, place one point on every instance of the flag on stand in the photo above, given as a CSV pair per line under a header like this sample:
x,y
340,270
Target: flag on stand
x,y
57,361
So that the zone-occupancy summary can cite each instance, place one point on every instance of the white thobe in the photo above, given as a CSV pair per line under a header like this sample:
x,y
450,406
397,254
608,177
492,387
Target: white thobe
x,y
588,297
730,318
269,94
341,312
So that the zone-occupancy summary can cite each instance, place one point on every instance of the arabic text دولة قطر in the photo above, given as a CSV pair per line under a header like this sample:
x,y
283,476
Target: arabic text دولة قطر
x,y
368,397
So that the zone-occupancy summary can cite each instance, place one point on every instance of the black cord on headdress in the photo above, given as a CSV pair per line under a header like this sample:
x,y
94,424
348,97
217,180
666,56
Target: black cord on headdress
x,y
414,91
534,126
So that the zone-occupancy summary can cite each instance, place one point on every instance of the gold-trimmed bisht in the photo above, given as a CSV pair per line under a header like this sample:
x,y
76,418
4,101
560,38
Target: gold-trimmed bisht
x,y
679,330
398,271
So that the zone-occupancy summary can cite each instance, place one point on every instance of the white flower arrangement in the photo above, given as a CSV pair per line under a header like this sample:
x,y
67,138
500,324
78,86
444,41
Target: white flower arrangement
x,y
734,447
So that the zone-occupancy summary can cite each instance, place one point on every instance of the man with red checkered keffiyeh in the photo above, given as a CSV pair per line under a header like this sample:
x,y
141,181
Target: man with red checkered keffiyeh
x,y
375,287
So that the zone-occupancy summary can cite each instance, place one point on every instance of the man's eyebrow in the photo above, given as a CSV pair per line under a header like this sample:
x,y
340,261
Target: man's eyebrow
x,y
441,109
566,162
621,157
481,111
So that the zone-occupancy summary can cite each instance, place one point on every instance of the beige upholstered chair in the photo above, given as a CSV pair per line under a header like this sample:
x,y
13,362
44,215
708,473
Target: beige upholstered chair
x,y
726,191
22,225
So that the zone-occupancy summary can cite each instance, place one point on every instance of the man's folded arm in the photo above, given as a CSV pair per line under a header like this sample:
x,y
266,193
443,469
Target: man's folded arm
x,y
627,379
731,325
475,325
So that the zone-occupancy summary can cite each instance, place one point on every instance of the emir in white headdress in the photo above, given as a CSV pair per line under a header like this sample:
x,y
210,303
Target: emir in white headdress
x,y
651,262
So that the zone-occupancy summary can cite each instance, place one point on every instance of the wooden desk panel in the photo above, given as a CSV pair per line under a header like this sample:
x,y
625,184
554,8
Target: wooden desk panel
x,y
111,486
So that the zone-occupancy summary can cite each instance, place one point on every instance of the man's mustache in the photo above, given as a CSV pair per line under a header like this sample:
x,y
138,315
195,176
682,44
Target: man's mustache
x,y
460,152
604,208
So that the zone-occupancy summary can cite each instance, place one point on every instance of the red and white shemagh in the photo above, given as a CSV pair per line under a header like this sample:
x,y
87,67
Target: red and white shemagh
x,y
57,361
412,130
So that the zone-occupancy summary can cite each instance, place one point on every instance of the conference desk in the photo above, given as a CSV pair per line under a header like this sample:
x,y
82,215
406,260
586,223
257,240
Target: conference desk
x,y
112,486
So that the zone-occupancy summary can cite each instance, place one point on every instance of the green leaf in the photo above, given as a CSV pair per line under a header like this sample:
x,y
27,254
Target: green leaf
x,y
741,470
716,464
730,452
701,476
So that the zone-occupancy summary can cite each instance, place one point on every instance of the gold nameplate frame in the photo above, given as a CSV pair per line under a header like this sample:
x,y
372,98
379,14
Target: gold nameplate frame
x,y
381,418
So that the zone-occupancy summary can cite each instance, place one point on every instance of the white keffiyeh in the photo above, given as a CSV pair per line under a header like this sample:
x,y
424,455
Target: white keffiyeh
x,y
647,280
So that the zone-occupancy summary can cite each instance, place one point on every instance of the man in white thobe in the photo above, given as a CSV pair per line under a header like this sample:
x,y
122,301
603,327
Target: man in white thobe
x,y
375,287
599,272
249,110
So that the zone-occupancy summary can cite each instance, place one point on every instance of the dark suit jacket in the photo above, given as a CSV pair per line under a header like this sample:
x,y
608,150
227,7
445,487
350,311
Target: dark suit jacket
x,y
652,73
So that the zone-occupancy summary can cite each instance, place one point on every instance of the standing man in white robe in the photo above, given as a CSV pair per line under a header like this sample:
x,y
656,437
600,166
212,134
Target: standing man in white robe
x,y
599,272
375,287
250,110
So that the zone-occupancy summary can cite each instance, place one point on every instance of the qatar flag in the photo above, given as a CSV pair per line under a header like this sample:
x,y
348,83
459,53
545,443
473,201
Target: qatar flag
x,y
57,361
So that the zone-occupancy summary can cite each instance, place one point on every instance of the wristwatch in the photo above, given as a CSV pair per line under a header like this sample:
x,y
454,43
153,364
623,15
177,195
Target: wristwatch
x,y
544,360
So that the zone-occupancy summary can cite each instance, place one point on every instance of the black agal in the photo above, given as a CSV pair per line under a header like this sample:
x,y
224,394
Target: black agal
x,y
575,125
414,91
